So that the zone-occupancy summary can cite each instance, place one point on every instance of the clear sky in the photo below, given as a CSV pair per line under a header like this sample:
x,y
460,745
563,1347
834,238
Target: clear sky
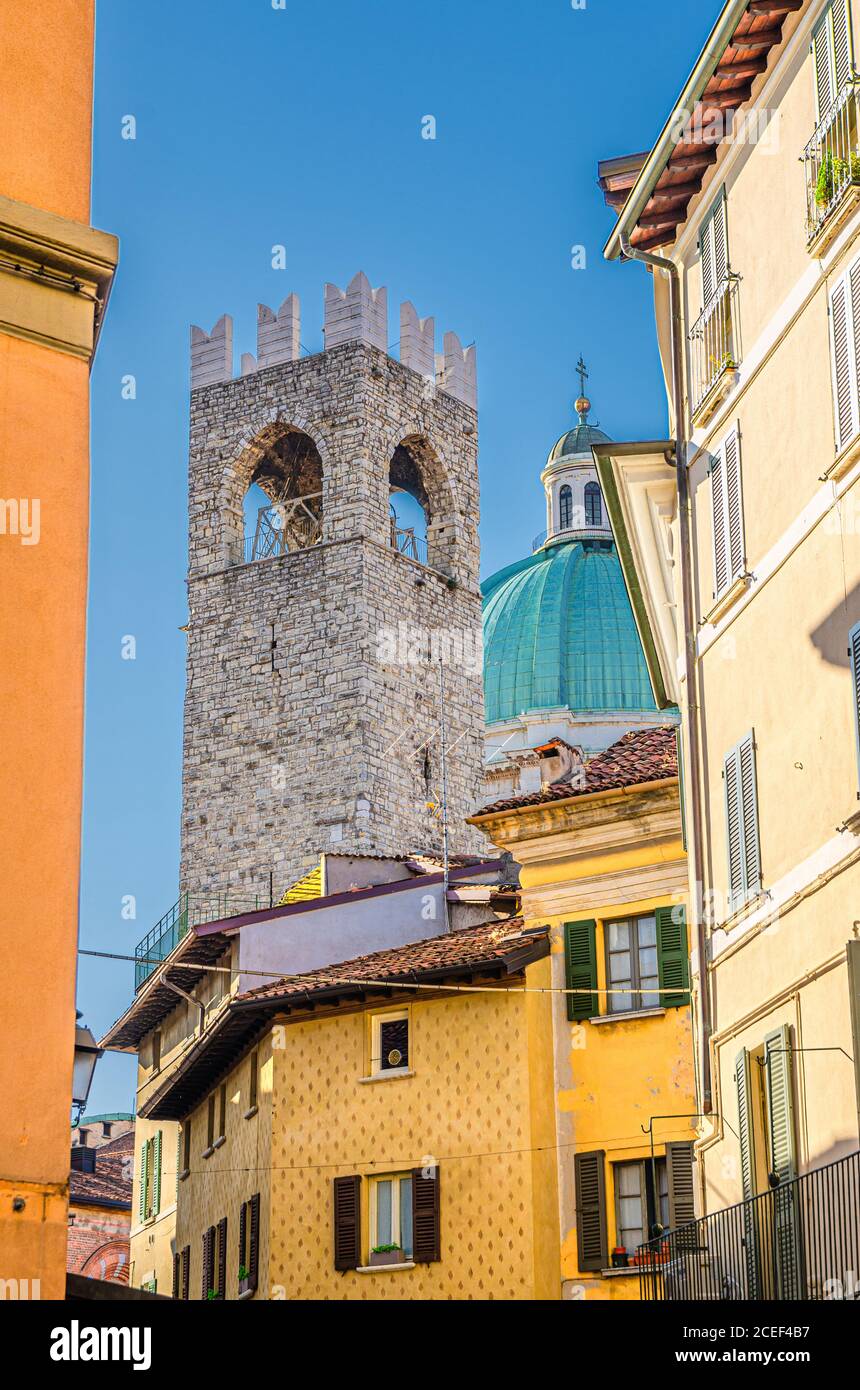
x,y
301,127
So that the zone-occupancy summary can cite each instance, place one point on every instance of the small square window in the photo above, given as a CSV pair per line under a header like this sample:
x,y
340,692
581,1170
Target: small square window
x,y
391,1213
390,1042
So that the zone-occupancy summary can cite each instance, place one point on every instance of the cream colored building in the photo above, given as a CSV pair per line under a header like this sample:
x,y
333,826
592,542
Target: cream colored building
x,y
751,225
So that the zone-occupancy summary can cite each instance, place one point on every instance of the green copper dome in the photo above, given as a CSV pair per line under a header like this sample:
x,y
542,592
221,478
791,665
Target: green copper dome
x,y
559,631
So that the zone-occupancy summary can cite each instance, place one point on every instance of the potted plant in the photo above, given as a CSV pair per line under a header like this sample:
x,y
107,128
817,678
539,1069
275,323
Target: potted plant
x,y
211,1295
620,1258
245,1284
386,1255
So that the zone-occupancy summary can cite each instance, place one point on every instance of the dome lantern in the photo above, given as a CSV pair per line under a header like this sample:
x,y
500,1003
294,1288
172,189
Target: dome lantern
x,y
574,503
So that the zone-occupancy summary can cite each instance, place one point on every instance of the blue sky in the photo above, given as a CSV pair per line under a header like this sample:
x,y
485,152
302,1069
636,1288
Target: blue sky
x,y
301,127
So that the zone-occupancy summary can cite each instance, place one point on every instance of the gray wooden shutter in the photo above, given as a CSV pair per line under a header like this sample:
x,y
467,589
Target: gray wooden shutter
x,y
734,836
177,1259
426,1216
207,1278
706,248
734,505
679,1172
823,64
156,1173
672,958
186,1272
841,43
780,1103
844,359
222,1258
254,1242
718,510
347,1222
590,1184
746,1136
749,793
580,966
721,240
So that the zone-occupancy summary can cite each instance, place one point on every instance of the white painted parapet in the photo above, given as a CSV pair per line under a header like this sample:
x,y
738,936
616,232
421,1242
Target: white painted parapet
x,y
416,340
357,314
460,376
212,353
278,333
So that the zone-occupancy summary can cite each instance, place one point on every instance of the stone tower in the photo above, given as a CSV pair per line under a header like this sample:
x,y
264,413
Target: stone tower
x,y
312,701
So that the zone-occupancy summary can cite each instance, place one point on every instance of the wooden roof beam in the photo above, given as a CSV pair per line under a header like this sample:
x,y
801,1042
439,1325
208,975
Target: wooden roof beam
x,y
672,193
774,6
691,164
762,39
740,72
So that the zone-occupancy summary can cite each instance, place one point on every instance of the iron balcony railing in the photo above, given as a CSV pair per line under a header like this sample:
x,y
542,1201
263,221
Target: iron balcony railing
x,y
714,342
294,524
189,911
799,1241
831,160
405,541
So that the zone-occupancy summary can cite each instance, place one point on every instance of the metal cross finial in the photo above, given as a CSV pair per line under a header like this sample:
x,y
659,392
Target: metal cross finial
x,y
582,372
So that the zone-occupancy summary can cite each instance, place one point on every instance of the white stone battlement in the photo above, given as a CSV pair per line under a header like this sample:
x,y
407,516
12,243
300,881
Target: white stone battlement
x,y
358,314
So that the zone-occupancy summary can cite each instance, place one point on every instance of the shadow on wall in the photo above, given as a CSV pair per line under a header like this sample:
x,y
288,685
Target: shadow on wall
x,y
830,638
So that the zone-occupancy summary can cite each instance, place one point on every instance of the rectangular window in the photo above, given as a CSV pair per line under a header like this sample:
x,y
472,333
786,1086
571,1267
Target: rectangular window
x,y
252,1084
391,1213
631,964
390,1042
185,1147
727,513
222,1110
844,352
210,1122
156,1050
638,1207
742,832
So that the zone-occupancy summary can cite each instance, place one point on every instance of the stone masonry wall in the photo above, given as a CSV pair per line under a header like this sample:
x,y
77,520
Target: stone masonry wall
x,y
308,684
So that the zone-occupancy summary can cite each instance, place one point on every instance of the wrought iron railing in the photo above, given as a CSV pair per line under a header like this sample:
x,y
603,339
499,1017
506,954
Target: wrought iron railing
x,y
295,524
831,160
189,911
799,1241
406,542
714,342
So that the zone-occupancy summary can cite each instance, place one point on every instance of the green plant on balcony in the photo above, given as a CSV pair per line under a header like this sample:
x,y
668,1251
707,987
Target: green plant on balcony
x,y
725,363
834,173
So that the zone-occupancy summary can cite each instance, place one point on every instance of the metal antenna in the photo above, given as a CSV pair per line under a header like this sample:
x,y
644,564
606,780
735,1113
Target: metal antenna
x,y
443,751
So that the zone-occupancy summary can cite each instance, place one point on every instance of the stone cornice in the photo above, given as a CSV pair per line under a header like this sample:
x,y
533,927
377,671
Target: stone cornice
x,y
55,278
596,823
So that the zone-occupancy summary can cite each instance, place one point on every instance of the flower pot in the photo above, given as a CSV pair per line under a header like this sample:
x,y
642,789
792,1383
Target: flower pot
x,y
387,1257
620,1258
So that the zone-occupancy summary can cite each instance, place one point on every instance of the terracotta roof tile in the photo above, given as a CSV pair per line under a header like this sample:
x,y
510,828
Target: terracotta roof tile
x,y
644,755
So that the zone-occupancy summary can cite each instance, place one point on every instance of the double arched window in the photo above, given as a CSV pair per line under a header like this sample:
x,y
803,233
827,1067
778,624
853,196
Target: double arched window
x,y
593,505
565,509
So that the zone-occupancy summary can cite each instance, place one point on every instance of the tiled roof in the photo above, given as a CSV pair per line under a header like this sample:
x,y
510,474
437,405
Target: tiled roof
x,y
645,755
111,1182
490,943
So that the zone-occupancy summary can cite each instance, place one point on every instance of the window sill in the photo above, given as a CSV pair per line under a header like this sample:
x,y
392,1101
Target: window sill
x,y
727,600
833,221
222,1139
843,461
394,1074
207,1153
630,1271
243,1297
629,1016
249,1114
384,1269
722,387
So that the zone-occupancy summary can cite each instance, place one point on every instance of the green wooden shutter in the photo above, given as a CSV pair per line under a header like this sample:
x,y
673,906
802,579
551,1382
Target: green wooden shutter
x,y
347,1221
426,1216
672,957
156,1173
580,966
852,952
746,1135
679,1172
780,1103
731,778
749,793
590,1184
143,1180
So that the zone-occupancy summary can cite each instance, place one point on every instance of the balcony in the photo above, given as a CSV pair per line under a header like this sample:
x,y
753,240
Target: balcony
x,y
714,350
406,541
832,168
189,911
295,524
798,1242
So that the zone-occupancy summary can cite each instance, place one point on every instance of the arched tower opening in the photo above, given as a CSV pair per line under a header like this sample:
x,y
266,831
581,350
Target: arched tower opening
x,y
280,483
421,518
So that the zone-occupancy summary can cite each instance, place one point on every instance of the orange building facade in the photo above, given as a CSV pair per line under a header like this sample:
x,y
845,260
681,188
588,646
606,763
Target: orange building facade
x,y
55,276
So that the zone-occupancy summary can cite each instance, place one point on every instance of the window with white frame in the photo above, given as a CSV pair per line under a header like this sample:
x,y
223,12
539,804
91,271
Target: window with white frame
x,y
832,51
844,349
390,1042
631,963
727,513
391,1214
638,1207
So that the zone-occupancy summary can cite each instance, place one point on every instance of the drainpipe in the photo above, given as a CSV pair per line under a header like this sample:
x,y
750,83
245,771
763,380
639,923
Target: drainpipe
x,y
693,781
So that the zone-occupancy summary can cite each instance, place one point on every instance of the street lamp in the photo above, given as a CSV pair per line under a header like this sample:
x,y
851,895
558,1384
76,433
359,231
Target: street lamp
x,y
87,1053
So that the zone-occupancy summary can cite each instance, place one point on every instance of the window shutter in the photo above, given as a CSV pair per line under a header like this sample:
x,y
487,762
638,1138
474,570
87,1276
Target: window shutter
x,y
841,44
186,1272
679,1171
243,1235
734,505
682,792
721,241
156,1173
143,1183
208,1274
580,962
590,1183
347,1222
734,839
254,1251
780,1103
426,1227
854,654
824,92
706,247
852,952
843,334
721,562
672,958
749,795
745,1123
222,1258
176,1273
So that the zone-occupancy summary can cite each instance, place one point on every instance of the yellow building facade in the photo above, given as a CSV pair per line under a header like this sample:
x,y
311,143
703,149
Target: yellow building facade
x,y
357,1114
55,276
603,864
763,654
